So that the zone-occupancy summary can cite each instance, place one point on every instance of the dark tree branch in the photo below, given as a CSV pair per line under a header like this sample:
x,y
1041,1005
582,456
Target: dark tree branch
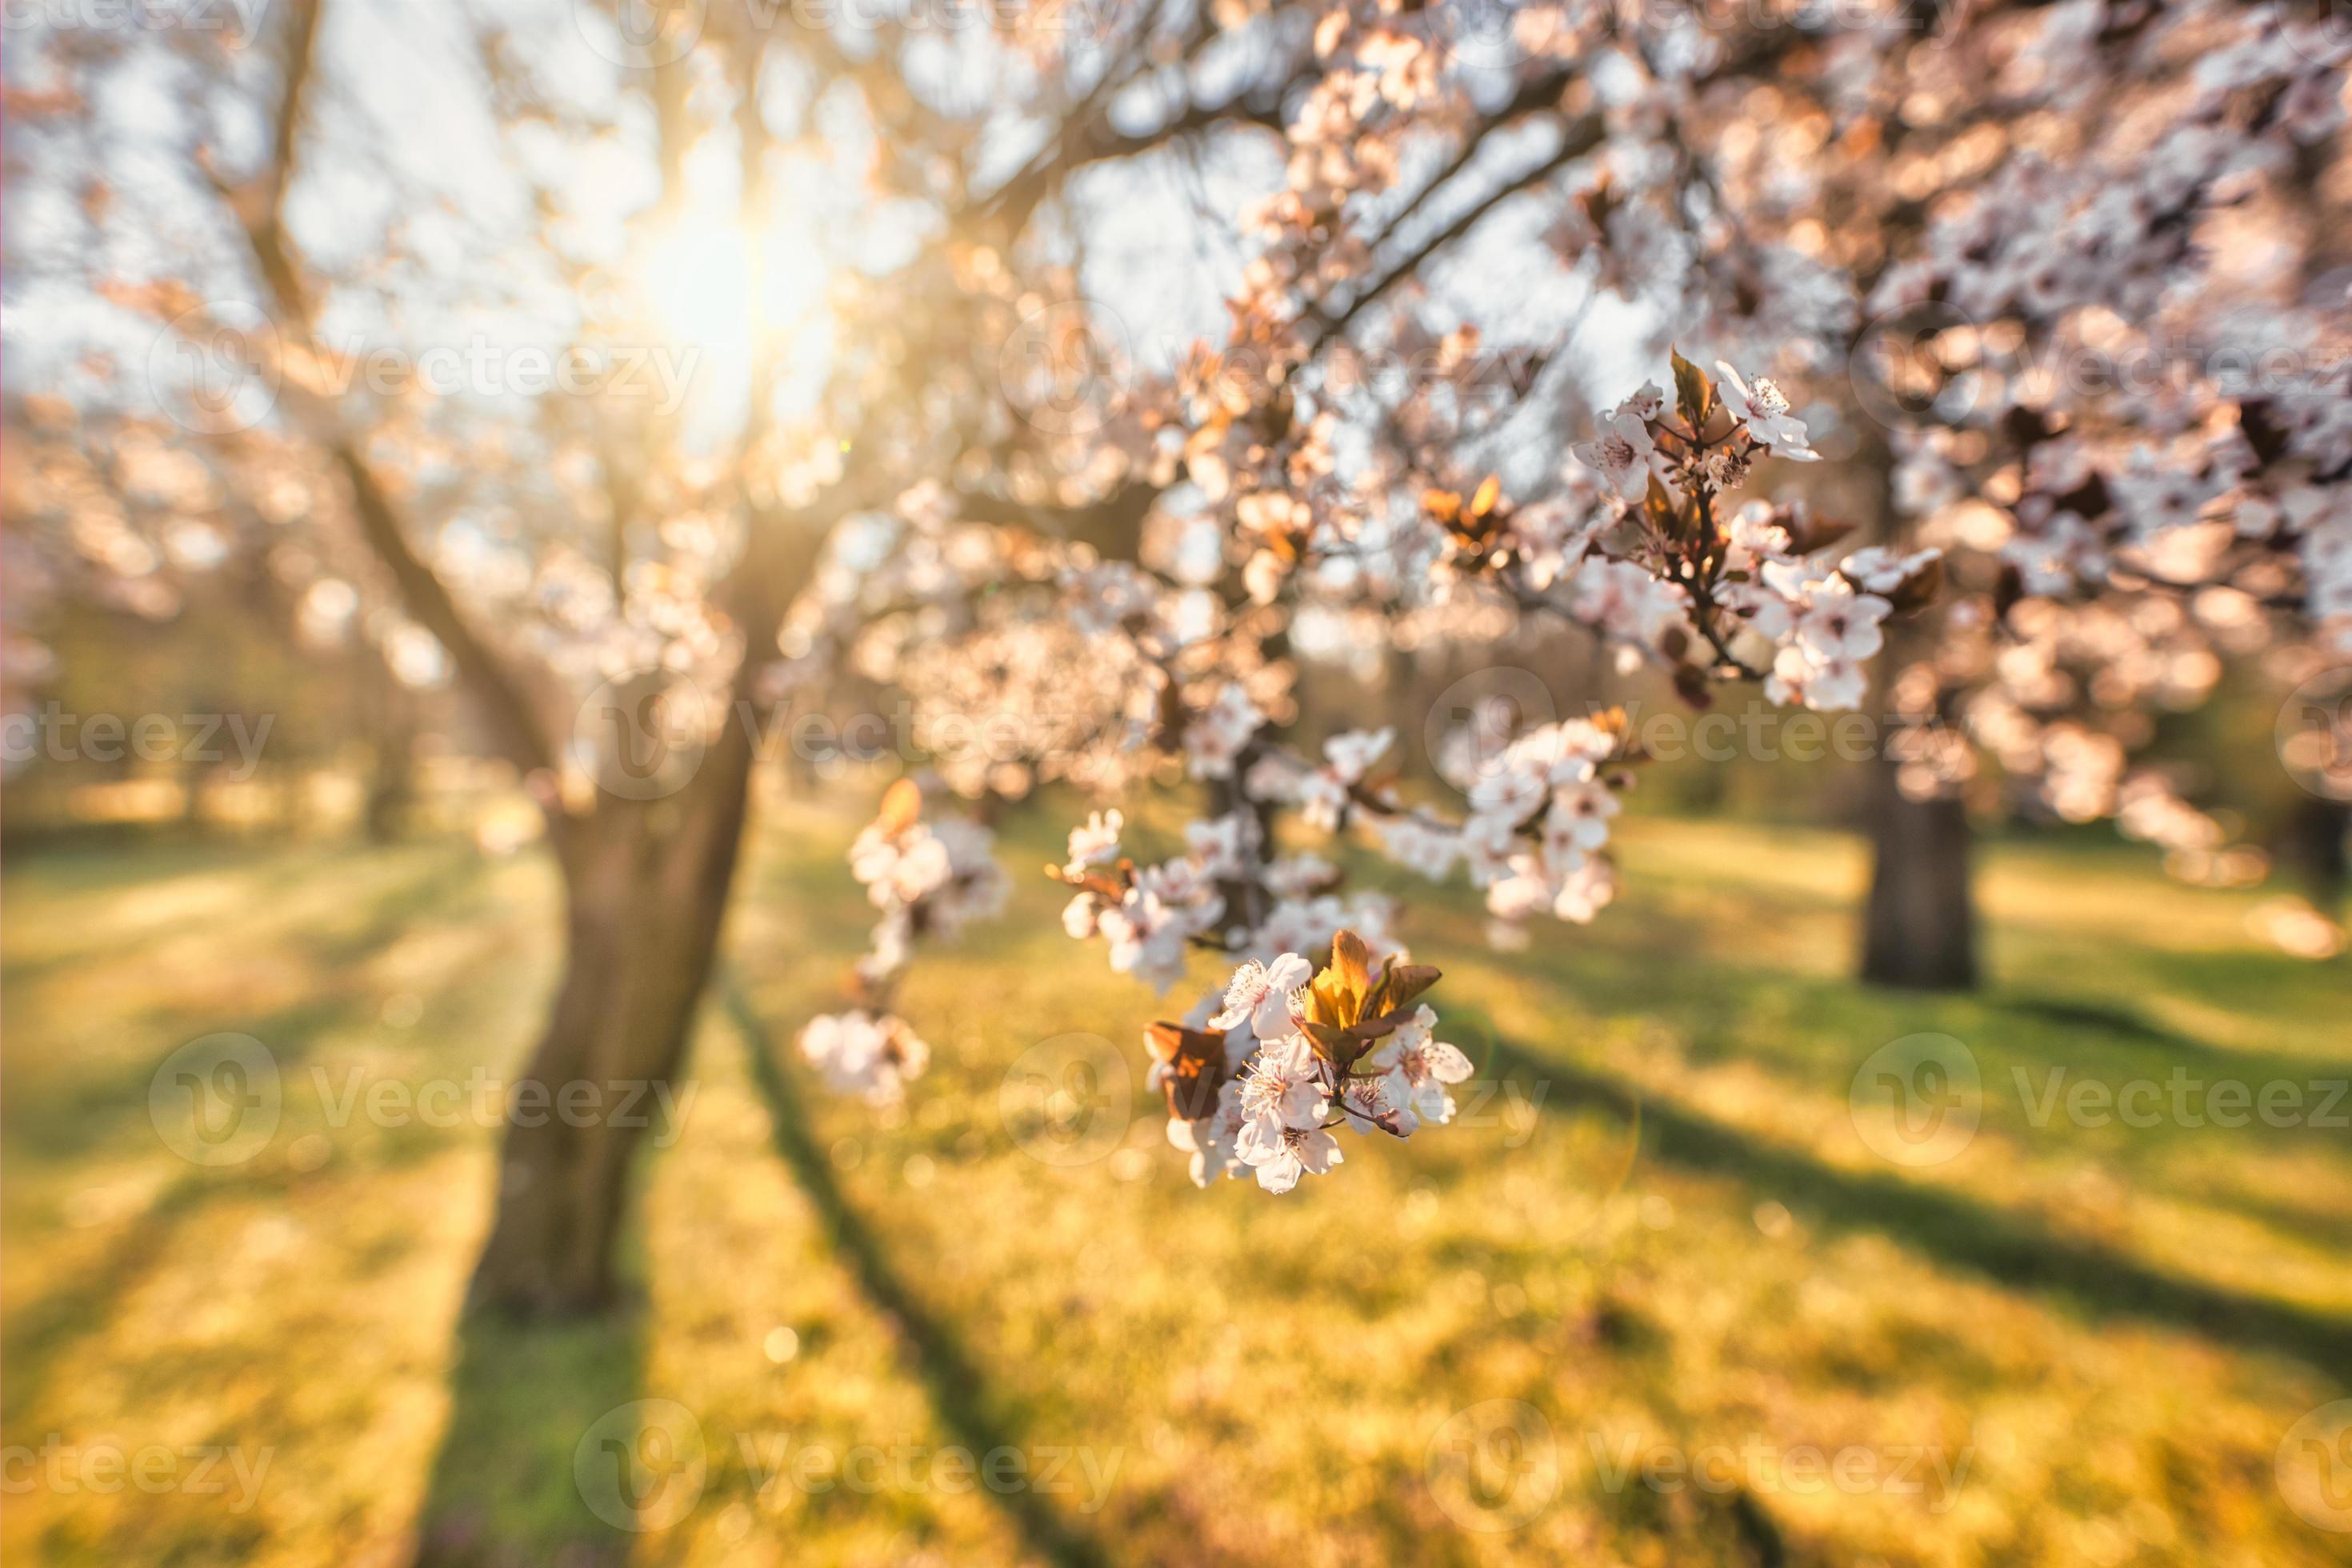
x,y
520,729
1577,140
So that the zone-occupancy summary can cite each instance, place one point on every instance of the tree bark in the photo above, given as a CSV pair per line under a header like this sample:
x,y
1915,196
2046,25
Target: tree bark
x,y
646,890
1919,929
392,777
2313,845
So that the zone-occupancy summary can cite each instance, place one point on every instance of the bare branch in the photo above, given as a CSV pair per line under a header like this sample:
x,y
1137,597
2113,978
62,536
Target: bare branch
x,y
1579,139
520,729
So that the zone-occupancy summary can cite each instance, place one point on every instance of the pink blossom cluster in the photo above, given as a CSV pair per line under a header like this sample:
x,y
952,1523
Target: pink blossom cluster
x,y
1260,1078
929,879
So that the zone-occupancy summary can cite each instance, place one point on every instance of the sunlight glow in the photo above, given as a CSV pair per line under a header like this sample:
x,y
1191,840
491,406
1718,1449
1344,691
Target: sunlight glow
x,y
736,306
697,280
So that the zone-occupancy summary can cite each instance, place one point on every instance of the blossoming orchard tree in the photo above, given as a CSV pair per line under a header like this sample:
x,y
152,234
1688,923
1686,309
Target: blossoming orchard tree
x,y
2106,329
1086,362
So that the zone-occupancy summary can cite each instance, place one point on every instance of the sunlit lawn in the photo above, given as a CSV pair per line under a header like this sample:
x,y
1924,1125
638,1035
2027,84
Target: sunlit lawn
x,y
1665,1235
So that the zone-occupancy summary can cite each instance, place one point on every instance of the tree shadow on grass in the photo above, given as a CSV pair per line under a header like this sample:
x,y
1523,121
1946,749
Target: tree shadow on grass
x,y
71,1123
2127,1025
1943,1226
957,1392
517,1481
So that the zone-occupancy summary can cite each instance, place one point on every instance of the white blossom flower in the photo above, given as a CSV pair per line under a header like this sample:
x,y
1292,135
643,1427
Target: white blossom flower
x,y
1352,754
1096,844
1620,455
1211,1140
1283,1085
1221,845
1765,409
1418,1069
1299,876
1752,537
1419,847
1642,406
1584,892
1259,996
1218,732
1489,839
1878,569
1522,890
861,1054
1621,600
1322,800
1839,624
1281,1154
1148,937
1827,686
1580,813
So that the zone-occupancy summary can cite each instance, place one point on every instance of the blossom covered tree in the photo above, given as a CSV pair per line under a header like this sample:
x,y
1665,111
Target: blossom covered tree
x,y
2081,270
937,442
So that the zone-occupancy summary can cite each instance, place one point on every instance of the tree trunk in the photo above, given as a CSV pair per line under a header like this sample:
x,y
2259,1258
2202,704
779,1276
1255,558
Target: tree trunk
x,y
2312,844
645,886
392,737
1920,931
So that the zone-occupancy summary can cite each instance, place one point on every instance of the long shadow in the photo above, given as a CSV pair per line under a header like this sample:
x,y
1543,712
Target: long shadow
x,y
2125,1024
38,1331
444,861
1952,1229
543,1418
71,1123
954,1384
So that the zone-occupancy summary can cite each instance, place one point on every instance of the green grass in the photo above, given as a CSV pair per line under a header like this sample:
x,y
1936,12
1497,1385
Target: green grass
x,y
1667,1231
